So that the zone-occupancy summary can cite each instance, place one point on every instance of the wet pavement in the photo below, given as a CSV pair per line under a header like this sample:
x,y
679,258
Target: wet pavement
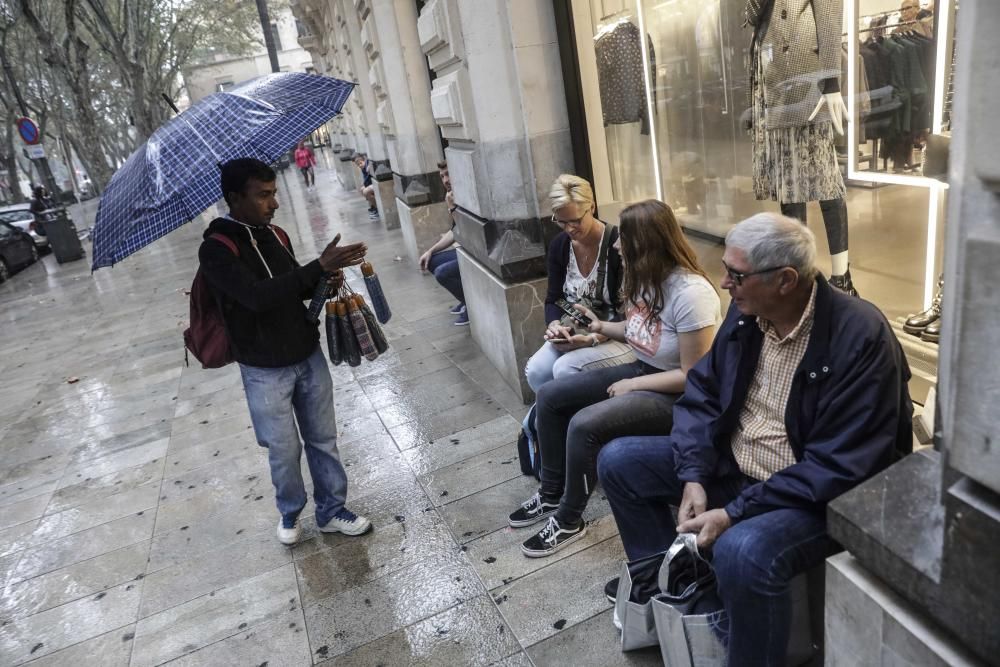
x,y
136,511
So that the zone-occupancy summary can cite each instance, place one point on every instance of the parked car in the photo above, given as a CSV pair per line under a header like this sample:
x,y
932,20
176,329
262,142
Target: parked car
x,y
20,216
17,250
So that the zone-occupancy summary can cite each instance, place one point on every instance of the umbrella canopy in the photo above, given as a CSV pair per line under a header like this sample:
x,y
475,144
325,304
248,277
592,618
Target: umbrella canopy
x,y
174,176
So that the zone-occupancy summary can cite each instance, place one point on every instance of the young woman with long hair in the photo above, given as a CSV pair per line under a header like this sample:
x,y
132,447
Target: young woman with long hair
x,y
671,310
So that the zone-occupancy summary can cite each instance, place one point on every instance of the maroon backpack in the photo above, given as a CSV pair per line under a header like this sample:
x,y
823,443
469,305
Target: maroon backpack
x,y
206,337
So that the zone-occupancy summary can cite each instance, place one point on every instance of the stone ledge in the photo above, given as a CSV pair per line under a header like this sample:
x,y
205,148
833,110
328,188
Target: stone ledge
x,y
419,189
513,250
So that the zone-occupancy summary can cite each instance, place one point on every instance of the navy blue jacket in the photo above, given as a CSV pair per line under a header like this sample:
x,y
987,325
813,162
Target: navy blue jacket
x,y
848,412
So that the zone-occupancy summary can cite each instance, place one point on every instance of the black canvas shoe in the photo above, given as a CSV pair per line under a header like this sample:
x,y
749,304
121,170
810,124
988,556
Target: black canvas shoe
x,y
611,590
552,538
531,511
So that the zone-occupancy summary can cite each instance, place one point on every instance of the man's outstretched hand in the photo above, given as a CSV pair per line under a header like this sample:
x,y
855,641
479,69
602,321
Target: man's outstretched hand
x,y
335,257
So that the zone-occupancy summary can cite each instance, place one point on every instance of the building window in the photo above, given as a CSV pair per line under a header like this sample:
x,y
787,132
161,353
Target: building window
x,y
276,37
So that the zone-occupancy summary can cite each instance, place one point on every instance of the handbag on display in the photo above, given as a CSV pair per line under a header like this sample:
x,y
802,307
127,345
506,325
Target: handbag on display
x,y
375,293
690,620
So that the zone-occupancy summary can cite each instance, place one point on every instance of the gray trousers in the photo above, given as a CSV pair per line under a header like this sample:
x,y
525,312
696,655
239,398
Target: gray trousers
x,y
575,418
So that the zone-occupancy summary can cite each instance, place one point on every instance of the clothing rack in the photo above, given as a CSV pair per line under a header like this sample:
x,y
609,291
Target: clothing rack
x,y
885,27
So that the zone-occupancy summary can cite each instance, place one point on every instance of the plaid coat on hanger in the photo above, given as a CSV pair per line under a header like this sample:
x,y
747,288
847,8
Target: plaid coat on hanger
x,y
800,59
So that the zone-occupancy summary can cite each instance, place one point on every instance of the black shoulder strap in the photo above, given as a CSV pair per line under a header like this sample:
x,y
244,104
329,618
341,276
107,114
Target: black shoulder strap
x,y
602,262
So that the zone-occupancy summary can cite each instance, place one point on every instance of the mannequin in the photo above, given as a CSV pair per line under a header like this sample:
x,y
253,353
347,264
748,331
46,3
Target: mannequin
x,y
795,60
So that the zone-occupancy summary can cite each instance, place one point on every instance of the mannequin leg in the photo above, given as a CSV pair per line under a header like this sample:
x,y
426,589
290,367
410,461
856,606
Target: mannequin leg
x,y
835,221
797,211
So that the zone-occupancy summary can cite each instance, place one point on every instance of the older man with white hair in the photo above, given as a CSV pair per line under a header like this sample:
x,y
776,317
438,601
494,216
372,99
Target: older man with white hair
x,y
802,396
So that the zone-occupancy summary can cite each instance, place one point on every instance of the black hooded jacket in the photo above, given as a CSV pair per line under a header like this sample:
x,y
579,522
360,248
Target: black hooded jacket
x,y
265,317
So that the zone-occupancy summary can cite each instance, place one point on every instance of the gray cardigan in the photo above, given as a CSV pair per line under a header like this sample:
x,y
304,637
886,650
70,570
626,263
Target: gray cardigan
x,y
800,54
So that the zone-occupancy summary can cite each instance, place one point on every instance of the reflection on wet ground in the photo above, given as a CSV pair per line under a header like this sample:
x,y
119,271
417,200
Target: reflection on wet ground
x,y
137,515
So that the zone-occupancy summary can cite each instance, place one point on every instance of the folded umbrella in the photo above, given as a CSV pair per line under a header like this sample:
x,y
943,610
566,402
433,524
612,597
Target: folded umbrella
x,y
174,176
375,292
333,334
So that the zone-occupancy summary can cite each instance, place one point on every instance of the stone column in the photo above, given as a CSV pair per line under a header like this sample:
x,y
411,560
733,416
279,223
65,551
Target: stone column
x,y
919,585
370,70
389,32
498,98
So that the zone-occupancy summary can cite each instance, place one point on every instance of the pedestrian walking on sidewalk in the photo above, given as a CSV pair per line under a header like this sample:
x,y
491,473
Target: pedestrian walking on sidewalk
x,y
305,160
260,291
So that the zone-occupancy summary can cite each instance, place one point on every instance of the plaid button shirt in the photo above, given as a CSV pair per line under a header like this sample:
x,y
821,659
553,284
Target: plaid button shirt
x,y
760,443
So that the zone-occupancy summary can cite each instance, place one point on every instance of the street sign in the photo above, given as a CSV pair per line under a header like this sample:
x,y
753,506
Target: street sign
x,y
36,151
28,131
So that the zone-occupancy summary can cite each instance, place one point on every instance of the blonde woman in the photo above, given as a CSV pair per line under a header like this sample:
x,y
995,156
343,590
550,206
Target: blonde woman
x,y
584,267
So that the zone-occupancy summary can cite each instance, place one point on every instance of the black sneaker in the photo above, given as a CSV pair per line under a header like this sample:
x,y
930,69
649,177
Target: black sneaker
x,y
531,512
552,538
611,590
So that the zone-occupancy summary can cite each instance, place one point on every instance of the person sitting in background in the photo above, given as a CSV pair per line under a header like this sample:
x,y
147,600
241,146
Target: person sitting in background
x,y
305,160
672,310
441,259
802,397
367,188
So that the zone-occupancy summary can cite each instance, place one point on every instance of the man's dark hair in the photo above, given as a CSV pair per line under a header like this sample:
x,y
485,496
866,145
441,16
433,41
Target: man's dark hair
x,y
236,173
443,164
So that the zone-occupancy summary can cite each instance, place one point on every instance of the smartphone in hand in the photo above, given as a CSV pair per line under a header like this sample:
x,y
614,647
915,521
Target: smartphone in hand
x,y
573,313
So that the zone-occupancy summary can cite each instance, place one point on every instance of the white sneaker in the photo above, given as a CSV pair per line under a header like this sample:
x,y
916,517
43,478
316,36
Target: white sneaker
x,y
347,522
289,536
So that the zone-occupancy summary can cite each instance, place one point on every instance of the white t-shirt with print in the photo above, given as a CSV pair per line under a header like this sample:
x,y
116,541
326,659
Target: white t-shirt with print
x,y
576,286
691,303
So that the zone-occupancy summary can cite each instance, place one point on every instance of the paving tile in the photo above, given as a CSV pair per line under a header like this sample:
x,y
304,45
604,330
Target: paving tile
x,y
281,642
214,617
593,643
217,430
209,415
12,514
17,537
387,604
120,442
34,636
427,428
517,660
232,394
211,571
384,391
367,450
97,512
498,558
31,479
230,474
487,511
388,548
94,488
84,545
181,460
232,525
112,649
458,446
116,462
429,403
472,633
561,595
75,581
472,475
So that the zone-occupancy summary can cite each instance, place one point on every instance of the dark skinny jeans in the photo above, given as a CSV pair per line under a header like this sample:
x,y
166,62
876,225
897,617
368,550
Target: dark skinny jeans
x,y
575,418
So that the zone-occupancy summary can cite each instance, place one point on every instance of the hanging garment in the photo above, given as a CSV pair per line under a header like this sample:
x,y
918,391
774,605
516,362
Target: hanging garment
x,y
620,76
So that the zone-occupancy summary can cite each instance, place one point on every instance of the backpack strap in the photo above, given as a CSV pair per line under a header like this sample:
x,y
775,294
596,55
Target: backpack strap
x,y
282,236
228,242
602,262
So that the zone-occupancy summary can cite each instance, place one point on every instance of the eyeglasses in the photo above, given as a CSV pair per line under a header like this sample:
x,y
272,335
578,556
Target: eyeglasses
x,y
566,223
738,276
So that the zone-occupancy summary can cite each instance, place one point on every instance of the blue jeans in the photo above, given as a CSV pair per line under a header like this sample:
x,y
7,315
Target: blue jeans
x,y
444,266
754,560
280,397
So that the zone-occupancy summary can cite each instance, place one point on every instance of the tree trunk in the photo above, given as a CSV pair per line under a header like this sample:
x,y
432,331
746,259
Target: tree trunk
x,y
10,161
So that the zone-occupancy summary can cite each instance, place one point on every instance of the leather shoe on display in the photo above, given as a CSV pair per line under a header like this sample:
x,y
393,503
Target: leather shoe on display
x,y
932,332
844,283
915,324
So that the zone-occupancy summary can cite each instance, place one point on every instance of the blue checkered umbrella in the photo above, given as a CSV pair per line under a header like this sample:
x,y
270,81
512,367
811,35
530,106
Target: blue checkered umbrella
x,y
174,176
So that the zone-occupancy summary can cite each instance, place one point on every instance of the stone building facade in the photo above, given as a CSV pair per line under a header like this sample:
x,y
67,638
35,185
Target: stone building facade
x,y
478,83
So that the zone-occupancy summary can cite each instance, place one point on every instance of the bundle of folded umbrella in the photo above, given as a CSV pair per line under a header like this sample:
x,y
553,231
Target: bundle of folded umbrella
x,y
352,330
